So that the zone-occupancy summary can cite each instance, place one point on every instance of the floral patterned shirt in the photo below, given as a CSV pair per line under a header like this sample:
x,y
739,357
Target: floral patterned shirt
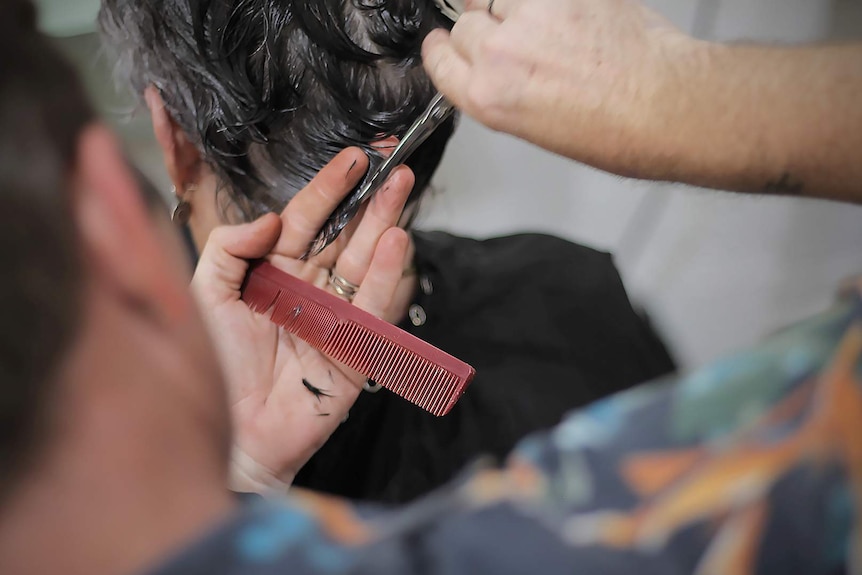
x,y
752,465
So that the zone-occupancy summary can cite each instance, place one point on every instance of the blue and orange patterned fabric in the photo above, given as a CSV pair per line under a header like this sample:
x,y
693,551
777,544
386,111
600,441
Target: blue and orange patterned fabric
x,y
752,465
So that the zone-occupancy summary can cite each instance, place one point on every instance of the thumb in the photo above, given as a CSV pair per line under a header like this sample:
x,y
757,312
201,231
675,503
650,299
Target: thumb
x,y
247,241
224,260
448,70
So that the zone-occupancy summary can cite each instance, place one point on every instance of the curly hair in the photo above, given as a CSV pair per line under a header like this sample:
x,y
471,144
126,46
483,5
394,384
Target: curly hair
x,y
270,90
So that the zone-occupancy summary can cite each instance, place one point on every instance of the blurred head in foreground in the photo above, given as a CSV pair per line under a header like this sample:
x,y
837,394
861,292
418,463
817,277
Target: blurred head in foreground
x,y
113,419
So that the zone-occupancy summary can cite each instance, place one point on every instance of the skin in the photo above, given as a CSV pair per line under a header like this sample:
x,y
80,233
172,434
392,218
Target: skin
x,y
264,366
350,255
276,416
140,450
614,85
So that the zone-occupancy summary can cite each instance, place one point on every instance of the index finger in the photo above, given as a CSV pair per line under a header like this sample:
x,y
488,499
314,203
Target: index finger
x,y
306,213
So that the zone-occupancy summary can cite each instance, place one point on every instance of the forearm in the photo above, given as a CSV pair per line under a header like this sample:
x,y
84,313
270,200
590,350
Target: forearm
x,y
763,120
614,85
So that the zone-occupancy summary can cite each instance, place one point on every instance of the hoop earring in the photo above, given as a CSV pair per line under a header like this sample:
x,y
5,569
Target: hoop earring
x,y
182,211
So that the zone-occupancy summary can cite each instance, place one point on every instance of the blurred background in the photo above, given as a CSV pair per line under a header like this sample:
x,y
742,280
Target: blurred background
x,y
715,271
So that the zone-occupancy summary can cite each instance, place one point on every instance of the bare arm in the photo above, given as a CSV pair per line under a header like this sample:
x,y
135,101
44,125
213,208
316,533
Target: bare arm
x,y
767,120
614,85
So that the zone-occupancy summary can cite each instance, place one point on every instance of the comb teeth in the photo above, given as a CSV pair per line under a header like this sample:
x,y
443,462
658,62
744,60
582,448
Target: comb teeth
x,y
410,375
393,358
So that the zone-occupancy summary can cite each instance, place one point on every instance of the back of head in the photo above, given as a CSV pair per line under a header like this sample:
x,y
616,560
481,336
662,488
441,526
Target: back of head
x,y
271,90
42,112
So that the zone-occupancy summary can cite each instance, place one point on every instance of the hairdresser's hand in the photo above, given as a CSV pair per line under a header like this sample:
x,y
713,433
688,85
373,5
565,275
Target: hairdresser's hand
x,y
286,397
584,78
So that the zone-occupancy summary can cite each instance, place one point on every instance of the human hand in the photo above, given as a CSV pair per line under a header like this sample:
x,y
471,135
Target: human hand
x,y
590,80
286,397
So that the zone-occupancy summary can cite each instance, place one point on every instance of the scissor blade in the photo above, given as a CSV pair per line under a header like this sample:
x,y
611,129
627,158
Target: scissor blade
x,y
437,112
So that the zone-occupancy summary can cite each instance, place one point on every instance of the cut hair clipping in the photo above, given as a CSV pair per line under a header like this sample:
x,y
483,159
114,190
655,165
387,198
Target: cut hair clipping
x,y
451,8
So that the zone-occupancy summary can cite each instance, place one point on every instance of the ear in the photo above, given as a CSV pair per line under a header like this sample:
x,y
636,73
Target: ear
x,y
182,159
119,236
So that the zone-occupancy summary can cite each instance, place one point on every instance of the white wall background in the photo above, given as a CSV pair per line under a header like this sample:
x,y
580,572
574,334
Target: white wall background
x,y
716,271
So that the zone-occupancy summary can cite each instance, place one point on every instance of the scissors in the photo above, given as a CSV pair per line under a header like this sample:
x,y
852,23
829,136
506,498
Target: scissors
x,y
437,112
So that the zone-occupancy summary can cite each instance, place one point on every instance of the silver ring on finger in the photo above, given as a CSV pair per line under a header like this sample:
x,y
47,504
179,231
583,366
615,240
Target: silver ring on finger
x,y
342,287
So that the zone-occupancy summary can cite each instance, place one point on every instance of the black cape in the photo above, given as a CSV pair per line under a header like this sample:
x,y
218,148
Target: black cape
x,y
548,326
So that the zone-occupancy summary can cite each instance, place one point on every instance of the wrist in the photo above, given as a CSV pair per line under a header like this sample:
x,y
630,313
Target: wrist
x,y
249,476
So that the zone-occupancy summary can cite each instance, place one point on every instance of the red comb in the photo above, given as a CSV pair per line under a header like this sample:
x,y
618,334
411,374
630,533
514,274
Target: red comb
x,y
391,357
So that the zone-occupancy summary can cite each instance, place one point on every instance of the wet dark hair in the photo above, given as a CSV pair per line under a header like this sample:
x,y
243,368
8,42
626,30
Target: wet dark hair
x,y
271,90
42,113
